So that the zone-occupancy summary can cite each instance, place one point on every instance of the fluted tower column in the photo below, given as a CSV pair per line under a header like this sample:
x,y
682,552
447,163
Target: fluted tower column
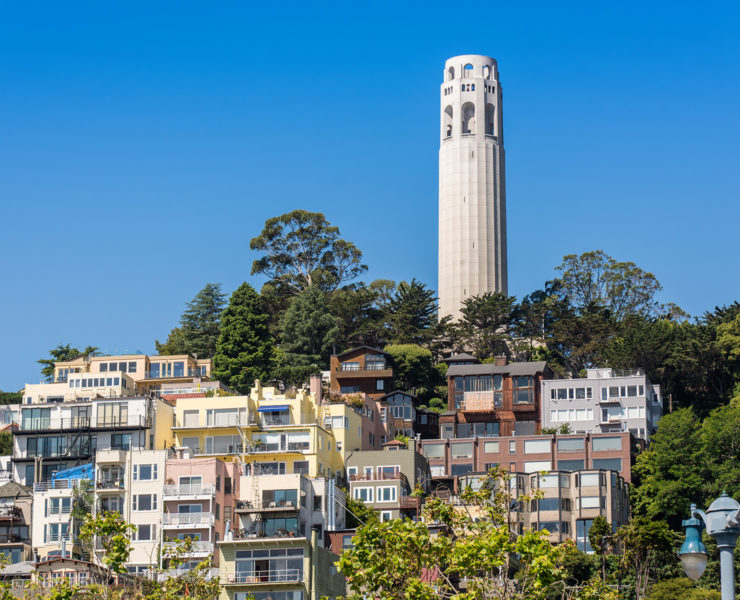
x,y
472,189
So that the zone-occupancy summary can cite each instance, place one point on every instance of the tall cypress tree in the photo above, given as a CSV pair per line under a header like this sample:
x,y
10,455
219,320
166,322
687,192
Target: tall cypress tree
x,y
245,348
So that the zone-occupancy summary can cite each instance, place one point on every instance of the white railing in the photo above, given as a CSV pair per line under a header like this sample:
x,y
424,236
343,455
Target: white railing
x,y
199,518
272,576
185,489
197,546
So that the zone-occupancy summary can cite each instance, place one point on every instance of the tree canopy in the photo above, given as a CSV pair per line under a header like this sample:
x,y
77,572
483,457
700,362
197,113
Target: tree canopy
x,y
302,249
62,353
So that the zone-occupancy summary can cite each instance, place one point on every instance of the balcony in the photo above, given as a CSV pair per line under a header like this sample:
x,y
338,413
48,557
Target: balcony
x,y
196,548
189,492
301,447
245,506
264,577
370,371
109,485
374,476
481,401
185,520
12,538
10,512
48,425
230,421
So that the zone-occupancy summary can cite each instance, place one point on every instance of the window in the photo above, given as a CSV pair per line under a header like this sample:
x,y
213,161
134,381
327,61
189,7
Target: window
x,y
59,506
132,367
120,441
218,483
385,515
300,466
227,513
461,450
537,465
525,427
512,447
589,479
386,494
218,511
523,390
227,485
458,470
379,385
490,447
349,389
347,541
582,528
144,502
588,502
437,470
145,472
536,446
112,414
614,464
145,533
571,465
363,493
606,443
571,444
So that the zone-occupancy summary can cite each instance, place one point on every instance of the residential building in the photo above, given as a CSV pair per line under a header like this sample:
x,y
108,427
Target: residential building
x,y
606,400
362,370
472,183
488,400
384,479
426,426
451,458
569,502
54,435
199,501
15,520
282,568
52,572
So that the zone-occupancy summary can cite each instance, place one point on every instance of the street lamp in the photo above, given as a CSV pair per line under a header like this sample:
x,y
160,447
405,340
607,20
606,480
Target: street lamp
x,y
722,521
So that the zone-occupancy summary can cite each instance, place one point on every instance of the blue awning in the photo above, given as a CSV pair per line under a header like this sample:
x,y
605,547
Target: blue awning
x,y
276,408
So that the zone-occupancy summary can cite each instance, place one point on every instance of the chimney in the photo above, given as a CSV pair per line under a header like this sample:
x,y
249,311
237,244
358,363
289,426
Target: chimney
x,y
315,387
500,360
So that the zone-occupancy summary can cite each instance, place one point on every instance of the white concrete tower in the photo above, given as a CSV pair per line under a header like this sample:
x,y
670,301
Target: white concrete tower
x,y
472,189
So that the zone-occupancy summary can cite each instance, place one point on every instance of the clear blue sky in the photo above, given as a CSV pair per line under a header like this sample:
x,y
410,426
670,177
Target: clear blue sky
x,y
142,145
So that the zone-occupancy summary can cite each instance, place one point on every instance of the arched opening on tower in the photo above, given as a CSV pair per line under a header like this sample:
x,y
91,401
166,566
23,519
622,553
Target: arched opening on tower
x,y
490,119
448,120
468,70
486,72
468,118
450,73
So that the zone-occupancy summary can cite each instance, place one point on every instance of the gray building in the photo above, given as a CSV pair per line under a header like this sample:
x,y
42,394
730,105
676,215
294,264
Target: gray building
x,y
605,401
384,479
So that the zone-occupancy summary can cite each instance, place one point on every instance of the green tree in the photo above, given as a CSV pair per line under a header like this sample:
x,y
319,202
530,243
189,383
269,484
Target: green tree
x,y
6,443
62,353
680,588
596,279
11,397
414,369
600,538
403,560
359,513
647,545
114,534
485,323
411,314
245,348
308,336
302,249
199,325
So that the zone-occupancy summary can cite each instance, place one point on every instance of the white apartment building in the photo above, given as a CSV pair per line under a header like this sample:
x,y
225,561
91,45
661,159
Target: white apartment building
x,y
605,401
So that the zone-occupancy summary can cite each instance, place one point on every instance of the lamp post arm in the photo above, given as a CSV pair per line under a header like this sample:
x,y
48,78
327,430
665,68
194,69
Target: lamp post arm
x,y
697,511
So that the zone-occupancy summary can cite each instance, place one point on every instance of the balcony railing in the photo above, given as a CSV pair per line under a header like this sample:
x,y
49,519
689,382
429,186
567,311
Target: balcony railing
x,y
12,538
230,421
382,476
185,489
10,512
271,576
73,423
481,401
248,506
195,547
110,484
199,518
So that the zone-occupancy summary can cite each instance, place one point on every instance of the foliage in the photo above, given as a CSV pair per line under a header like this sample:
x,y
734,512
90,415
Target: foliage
x,y
600,538
484,324
403,559
63,353
308,335
680,588
411,315
646,545
11,397
114,534
302,249
6,443
596,280
244,350
413,367
199,325
359,513
193,582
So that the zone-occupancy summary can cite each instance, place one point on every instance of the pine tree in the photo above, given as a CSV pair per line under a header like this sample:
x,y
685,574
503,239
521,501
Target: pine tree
x,y
308,334
245,348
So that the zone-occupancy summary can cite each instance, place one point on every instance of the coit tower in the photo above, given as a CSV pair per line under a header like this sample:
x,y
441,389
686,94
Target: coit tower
x,y
472,189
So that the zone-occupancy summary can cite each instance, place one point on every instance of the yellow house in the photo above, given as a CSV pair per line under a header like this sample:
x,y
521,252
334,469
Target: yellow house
x,y
212,426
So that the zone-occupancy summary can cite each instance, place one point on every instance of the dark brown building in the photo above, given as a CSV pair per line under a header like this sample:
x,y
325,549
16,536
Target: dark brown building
x,y
496,399
363,370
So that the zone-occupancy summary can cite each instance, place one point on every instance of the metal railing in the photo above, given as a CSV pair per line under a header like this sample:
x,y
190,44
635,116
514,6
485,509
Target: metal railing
x,y
199,518
271,576
110,484
382,476
248,505
196,546
230,421
59,484
72,423
370,366
192,489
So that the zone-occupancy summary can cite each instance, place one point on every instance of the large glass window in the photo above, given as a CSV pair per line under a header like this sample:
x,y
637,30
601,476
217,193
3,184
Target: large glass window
x,y
269,565
490,447
615,464
571,444
112,414
179,369
36,418
571,465
535,466
458,470
434,450
582,528
461,450
273,498
536,446
606,443
523,390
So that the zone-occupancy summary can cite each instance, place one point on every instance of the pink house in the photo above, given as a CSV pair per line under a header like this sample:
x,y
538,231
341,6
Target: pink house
x,y
199,498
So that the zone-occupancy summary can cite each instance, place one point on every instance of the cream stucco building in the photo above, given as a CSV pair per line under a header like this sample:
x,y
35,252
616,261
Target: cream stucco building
x,y
472,190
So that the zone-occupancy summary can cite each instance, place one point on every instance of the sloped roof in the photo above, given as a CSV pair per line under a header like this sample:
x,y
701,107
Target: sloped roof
x,y
462,356
368,348
397,392
14,490
514,369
